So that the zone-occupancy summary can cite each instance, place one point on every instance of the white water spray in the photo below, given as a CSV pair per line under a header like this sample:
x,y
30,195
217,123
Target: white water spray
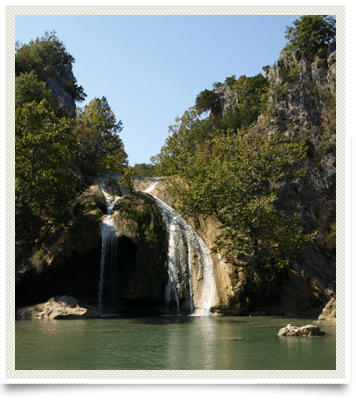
x,y
108,264
185,250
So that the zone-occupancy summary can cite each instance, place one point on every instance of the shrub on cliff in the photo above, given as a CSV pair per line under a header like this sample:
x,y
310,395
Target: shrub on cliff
x,y
311,34
43,56
207,100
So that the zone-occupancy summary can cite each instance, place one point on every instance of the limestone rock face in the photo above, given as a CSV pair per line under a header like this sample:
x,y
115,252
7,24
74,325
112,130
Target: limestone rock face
x,y
56,83
329,312
298,85
227,98
308,330
59,307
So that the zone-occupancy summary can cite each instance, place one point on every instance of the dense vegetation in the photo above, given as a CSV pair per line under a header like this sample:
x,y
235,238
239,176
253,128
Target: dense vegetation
x,y
144,169
50,145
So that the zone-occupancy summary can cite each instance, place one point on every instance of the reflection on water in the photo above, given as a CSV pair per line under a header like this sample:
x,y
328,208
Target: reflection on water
x,y
211,343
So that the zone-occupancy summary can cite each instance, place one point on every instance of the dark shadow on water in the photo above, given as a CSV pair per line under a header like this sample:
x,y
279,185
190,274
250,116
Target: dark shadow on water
x,y
157,320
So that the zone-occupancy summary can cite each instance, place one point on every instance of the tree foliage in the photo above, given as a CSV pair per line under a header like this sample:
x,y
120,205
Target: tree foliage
x,y
207,100
311,34
233,176
126,180
251,93
230,80
184,136
99,147
28,88
144,169
192,129
44,56
44,184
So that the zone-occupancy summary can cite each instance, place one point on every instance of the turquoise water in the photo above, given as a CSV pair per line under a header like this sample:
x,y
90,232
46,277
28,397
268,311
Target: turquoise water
x,y
169,343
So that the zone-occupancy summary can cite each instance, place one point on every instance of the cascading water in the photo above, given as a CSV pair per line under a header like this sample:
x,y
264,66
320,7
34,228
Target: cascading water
x,y
108,264
185,250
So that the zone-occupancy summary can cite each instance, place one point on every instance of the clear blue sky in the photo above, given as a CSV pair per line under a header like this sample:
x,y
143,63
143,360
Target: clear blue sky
x,y
151,68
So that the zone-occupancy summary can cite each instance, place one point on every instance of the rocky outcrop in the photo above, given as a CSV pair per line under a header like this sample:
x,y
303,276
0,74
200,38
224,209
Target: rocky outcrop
x,y
298,90
57,84
59,307
329,312
308,330
227,99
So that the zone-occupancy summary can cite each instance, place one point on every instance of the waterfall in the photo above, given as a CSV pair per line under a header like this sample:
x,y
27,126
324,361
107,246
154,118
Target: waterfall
x,y
187,253
108,264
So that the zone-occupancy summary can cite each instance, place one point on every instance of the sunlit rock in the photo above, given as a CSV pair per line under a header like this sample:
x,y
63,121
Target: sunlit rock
x,y
59,307
308,330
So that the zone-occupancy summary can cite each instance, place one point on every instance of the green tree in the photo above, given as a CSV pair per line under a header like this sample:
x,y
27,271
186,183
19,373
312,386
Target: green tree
x,y
311,34
99,147
251,94
44,184
126,180
230,80
207,100
28,88
184,135
144,169
44,56
233,176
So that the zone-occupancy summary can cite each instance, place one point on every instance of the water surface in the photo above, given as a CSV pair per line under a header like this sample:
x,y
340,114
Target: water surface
x,y
171,343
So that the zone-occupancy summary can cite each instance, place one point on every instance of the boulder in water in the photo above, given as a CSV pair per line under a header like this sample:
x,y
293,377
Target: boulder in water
x,y
308,330
59,307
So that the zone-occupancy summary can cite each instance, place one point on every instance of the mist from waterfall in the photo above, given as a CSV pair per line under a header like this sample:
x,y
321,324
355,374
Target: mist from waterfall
x,y
187,251
109,261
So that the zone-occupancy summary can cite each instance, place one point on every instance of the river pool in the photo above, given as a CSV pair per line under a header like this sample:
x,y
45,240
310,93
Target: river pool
x,y
171,343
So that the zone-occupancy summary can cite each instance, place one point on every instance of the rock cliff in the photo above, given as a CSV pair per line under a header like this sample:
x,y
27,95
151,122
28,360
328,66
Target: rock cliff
x,y
227,98
58,84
